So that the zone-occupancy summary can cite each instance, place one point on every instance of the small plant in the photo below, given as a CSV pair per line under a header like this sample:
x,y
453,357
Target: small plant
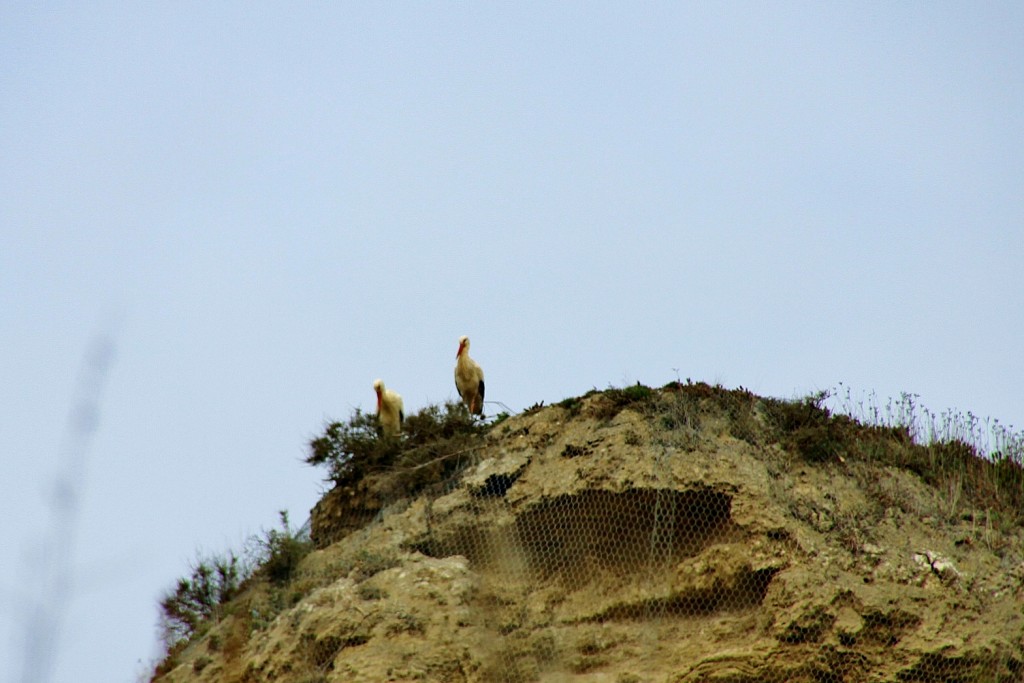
x,y
203,598
536,407
278,552
572,404
614,401
405,622
200,599
679,415
368,592
369,563
635,393
201,663
808,427
434,423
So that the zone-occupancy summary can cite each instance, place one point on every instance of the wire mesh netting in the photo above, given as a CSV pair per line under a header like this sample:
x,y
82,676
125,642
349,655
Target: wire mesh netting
x,y
685,542
690,533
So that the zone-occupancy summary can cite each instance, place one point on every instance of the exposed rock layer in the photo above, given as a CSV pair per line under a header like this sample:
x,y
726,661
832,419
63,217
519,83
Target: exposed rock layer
x,y
648,545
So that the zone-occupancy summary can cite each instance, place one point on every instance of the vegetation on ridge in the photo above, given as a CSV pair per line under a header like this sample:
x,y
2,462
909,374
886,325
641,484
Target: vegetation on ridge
x,y
425,451
205,596
438,441
946,451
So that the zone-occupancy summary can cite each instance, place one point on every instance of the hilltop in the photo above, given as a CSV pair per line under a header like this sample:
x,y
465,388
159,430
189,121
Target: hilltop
x,y
688,533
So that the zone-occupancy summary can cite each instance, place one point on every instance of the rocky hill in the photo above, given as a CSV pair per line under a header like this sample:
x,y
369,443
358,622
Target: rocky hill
x,y
689,533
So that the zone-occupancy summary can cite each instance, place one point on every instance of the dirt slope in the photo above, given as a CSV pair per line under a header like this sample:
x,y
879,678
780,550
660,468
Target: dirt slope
x,y
694,535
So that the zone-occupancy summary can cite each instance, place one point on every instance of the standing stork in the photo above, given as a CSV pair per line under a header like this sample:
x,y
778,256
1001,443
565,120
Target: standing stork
x,y
390,412
469,379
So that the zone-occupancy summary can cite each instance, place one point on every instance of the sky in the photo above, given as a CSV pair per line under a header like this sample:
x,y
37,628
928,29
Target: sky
x,y
220,222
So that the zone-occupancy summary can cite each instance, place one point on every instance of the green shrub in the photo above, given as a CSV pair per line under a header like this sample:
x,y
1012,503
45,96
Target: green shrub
x,y
200,598
425,450
350,450
278,552
613,401
437,423
807,427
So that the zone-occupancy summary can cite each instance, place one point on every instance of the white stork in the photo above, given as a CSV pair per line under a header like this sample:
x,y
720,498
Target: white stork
x,y
469,379
390,412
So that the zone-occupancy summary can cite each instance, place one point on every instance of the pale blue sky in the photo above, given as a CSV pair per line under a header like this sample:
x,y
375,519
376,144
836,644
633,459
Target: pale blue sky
x,y
269,205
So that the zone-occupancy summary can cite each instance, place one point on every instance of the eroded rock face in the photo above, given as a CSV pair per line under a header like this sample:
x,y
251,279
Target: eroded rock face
x,y
583,547
342,510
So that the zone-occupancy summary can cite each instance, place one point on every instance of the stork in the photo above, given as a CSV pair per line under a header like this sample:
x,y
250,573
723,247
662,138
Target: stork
x,y
469,379
390,412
